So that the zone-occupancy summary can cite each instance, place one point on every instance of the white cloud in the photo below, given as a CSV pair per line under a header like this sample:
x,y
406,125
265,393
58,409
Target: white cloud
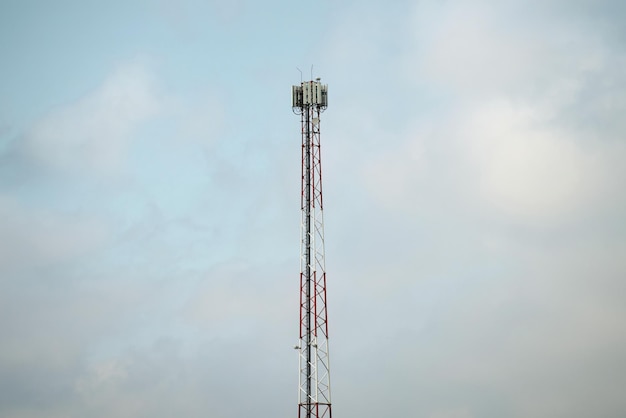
x,y
93,134
500,291
481,49
528,170
511,140
499,156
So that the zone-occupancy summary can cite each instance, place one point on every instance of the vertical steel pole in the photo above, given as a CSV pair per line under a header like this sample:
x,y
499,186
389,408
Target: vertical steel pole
x,y
307,245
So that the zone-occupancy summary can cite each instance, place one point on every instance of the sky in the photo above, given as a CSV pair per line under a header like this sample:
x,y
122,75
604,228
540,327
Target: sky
x,y
475,207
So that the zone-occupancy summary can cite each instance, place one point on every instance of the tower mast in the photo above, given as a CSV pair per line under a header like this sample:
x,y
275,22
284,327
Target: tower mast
x,y
309,100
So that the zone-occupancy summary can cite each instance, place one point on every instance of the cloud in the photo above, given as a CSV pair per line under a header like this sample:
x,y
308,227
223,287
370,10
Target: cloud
x,y
38,237
452,413
93,134
532,171
506,158
199,119
490,234
474,221
513,132
235,294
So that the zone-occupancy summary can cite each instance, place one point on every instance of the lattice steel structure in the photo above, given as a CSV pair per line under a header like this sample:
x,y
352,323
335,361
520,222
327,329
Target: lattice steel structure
x,y
309,100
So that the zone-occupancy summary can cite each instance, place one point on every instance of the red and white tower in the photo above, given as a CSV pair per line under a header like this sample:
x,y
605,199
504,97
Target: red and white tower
x,y
309,100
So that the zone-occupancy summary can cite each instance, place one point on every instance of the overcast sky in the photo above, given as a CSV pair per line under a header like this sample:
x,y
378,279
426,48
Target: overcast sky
x,y
475,196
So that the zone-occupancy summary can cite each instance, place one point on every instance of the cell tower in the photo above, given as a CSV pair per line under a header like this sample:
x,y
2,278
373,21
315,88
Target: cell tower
x,y
309,100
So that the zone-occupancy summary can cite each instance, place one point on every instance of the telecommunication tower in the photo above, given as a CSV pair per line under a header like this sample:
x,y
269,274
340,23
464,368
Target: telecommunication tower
x,y
309,100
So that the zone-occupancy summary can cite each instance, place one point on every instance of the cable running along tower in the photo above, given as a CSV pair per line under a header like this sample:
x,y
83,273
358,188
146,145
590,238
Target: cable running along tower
x,y
309,100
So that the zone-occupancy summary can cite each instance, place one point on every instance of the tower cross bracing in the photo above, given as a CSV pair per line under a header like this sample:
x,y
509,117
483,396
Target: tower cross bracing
x,y
309,100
